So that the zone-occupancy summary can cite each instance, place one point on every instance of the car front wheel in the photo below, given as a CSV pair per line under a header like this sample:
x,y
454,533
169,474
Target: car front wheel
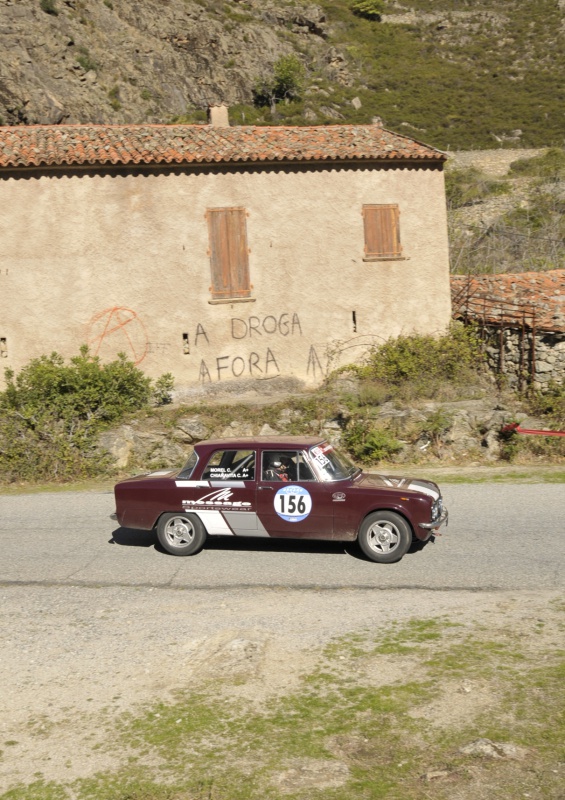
x,y
181,534
384,536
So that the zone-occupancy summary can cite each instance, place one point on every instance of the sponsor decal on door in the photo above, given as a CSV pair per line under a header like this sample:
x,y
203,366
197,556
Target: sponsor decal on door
x,y
219,499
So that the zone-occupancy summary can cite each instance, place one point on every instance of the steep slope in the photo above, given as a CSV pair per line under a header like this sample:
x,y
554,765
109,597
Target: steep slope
x,y
455,73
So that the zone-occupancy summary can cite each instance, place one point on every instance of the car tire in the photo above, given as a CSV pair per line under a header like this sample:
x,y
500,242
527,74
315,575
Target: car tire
x,y
181,534
384,537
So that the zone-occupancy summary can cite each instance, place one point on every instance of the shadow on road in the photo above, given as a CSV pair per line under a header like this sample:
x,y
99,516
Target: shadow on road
x,y
128,537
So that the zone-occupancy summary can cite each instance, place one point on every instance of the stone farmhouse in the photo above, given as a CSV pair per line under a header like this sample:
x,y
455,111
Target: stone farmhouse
x,y
236,258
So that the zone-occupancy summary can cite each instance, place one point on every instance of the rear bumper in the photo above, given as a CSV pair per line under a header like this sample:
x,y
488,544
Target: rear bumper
x,y
432,526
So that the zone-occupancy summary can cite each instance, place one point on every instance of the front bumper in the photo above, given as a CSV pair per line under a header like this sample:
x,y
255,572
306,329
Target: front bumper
x,y
432,526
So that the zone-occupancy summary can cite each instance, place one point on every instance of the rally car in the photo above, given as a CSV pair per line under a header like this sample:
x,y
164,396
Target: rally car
x,y
281,487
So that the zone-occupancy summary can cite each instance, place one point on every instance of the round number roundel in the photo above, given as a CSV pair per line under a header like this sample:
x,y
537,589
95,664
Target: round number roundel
x,y
293,503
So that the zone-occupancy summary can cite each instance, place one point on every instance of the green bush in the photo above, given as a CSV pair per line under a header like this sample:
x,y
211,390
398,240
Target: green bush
x,y
286,82
86,61
369,9
550,403
372,393
511,443
549,165
425,361
437,424
370,444
49,7
51,413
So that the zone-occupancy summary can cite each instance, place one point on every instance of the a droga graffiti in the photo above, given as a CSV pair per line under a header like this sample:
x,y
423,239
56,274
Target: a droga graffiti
x,y
284,325
118,329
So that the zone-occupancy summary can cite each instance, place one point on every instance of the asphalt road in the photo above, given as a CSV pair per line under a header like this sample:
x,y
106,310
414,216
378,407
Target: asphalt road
x,y
500,536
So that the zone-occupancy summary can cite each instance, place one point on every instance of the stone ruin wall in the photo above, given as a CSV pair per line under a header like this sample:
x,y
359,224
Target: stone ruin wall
x,y
549,356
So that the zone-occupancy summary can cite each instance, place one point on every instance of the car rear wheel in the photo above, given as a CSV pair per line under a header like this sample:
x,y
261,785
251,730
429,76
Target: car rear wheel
x,y
384,536
181,534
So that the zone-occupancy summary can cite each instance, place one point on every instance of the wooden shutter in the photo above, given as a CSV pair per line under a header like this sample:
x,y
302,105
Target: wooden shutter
x,y
229,262
382,231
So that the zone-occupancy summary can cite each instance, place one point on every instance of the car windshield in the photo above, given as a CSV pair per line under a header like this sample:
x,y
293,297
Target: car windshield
x,y
330,465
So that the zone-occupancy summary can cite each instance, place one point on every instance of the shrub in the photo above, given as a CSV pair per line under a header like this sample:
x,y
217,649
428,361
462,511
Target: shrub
x,y
549,165
86,61
550,403
49,7
51,413
370,444
370,9
436,425
510,444
425,361
372,393
286,82
163,391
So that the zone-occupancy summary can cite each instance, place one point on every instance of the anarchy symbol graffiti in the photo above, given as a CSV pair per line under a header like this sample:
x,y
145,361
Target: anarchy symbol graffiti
x,y
116,330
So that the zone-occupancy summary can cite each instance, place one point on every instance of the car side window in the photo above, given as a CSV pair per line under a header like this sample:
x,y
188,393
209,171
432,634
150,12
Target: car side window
x,y
230,465
285,466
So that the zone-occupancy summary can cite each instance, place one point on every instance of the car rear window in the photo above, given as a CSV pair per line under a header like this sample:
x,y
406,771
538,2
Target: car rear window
x,y
230,465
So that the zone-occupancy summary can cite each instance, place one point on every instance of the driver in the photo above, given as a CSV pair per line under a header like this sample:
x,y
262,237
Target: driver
x,y
278,469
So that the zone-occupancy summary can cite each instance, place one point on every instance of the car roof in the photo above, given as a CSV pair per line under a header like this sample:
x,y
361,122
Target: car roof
x,y
250,442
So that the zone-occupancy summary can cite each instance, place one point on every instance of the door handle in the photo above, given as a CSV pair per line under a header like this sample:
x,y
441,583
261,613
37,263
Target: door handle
x,y
270,488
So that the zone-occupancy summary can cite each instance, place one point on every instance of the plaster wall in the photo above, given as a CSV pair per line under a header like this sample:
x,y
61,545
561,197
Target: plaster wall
x,y
119,260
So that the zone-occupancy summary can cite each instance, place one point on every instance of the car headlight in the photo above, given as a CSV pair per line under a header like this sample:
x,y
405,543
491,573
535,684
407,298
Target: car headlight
x,y
437,508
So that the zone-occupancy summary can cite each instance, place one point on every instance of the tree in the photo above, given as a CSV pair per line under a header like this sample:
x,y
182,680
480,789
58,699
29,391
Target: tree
x,y
285,83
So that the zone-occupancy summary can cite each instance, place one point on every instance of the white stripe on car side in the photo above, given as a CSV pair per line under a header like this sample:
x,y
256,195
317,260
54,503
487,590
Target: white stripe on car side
x,y
231,484
191,484
214,522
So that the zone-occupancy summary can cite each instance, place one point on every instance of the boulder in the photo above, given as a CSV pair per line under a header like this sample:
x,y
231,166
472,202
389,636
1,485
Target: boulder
x,y
119,443
191,429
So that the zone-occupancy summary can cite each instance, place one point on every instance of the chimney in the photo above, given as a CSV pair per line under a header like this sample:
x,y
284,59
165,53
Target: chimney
x,y
218,116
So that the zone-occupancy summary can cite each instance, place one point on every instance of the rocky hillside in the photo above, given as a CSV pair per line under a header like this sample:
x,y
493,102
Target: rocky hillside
x,y
455,73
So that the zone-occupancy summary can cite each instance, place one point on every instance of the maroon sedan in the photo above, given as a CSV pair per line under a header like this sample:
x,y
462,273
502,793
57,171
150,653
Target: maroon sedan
x,y
281,487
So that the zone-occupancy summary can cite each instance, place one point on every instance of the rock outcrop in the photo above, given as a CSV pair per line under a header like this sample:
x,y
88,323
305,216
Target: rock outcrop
x,y
121,62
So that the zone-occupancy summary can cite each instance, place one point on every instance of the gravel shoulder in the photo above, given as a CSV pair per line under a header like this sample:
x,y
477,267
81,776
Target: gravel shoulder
x,y
74,659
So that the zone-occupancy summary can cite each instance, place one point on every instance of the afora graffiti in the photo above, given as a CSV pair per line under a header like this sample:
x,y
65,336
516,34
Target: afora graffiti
x,y
254,365
284,325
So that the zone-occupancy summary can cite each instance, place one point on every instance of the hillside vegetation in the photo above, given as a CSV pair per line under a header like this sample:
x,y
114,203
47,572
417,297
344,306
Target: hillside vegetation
x,y
454,73
509,223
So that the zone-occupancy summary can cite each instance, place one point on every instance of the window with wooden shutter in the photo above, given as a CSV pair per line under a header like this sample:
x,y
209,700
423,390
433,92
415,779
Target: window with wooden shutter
x,y
382,232
229,261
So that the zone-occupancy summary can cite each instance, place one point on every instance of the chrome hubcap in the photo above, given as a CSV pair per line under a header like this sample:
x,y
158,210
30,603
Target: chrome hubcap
x,y
179,531
383,537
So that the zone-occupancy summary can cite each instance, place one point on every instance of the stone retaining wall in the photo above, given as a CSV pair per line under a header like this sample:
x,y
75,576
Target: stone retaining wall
x,y
549,356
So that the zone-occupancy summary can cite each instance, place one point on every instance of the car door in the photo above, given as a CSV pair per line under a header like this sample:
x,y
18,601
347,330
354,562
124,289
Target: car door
x,y
295,505
225,497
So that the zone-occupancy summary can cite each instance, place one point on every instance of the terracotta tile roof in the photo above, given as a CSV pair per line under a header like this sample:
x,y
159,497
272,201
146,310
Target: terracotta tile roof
x,y
511,298
50,145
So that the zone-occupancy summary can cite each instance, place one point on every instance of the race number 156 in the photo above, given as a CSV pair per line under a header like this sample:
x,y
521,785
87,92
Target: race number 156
x,y
293,503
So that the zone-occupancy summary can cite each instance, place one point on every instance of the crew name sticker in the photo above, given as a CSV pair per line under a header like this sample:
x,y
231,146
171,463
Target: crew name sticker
x,y
293,503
